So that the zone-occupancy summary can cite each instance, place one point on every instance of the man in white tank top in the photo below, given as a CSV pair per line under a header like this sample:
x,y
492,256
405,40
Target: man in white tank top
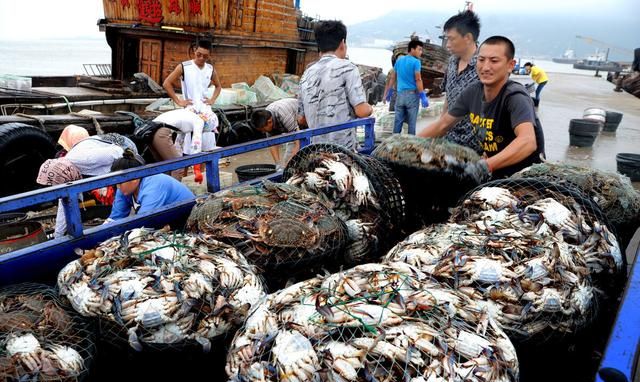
x,y
194,77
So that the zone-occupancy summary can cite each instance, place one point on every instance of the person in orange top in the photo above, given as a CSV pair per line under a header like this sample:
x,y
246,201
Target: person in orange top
x,y
540,78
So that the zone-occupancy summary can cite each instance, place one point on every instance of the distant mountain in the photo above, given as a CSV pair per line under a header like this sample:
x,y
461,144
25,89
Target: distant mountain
x,y
535,35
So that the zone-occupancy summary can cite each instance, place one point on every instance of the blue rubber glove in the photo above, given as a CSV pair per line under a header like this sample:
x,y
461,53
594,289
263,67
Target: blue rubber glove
x,y
389,95
423,99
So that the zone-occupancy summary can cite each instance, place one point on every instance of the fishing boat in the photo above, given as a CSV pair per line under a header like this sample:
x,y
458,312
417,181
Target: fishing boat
x,y
434,62
569,57
598,61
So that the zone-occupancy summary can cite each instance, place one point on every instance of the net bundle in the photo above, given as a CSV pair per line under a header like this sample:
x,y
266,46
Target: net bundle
x,y
361,190
279,228
612,192
41,337
372,322
433,172
162,290
537,263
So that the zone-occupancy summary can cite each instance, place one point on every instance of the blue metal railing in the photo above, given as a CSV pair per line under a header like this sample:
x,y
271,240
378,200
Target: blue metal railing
x,y
621,355
16,261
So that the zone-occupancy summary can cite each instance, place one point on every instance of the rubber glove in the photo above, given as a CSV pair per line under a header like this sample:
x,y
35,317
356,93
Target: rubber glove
x,y
423,99
389,95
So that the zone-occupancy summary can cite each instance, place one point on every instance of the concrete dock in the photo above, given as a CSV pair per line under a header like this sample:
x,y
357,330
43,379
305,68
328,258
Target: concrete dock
x,y
565,97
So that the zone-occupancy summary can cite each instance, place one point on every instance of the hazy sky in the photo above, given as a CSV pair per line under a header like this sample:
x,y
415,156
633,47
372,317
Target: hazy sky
x,y
39,19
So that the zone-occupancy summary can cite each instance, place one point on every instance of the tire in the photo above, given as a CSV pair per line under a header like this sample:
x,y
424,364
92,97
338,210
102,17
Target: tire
x,y
629,165
584,127
240,132
595,114
613,117
581,141
23,148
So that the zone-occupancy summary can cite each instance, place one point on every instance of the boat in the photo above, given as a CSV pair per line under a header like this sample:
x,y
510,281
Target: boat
x,y
598,61
569,57
434,62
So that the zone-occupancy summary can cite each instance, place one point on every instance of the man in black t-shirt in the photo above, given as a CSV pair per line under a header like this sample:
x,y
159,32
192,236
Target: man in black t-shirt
x,y
500,111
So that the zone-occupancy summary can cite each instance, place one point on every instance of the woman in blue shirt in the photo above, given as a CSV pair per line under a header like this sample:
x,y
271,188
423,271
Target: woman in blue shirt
x,y
146,194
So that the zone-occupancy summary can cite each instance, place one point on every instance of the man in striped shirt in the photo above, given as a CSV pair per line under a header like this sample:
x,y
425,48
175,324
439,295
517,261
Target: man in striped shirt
x,y
331,89
278,118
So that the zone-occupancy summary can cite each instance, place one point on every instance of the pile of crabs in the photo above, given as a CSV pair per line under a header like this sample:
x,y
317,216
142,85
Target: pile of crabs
x,y
516,261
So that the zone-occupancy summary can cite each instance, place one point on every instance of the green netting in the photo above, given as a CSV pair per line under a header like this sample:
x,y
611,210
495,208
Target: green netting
x,y
371,322
538,254
613,192
162,290
280,228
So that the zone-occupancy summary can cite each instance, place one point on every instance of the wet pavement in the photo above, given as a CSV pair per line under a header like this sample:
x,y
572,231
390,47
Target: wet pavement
x,y
565,97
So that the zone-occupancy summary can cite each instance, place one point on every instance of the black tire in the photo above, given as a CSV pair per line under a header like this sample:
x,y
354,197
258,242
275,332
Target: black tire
x,y
629,165
613,117
610,127
23,149
584,127
240,132
581,141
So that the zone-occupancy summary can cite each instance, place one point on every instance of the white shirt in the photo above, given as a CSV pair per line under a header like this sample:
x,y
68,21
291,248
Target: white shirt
x,y
195,82
93,156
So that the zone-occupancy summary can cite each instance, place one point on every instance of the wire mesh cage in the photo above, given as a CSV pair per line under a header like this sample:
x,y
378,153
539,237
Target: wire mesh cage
x,y
434,174
161,290
538,253
530,282
372,322
41,337
362,191
565,211
280,228
613,192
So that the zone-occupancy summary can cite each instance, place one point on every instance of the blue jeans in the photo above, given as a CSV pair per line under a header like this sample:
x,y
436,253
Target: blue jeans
x,y
407,105
536,101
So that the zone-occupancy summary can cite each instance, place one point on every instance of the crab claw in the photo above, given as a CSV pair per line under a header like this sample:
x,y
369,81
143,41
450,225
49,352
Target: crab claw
x,y
206,344
134,342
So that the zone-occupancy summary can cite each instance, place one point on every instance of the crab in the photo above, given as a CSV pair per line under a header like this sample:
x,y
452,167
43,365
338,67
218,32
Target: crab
x,y
495,197
382,348
70,274
229,274
171,332
197,285
288,233
556,215
486,271
86,301
343,358
294,357
362,188
548,300
249,294
582,297
340,174
416,334
470,345
66,358
213,326
151,312
313,181
27,348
